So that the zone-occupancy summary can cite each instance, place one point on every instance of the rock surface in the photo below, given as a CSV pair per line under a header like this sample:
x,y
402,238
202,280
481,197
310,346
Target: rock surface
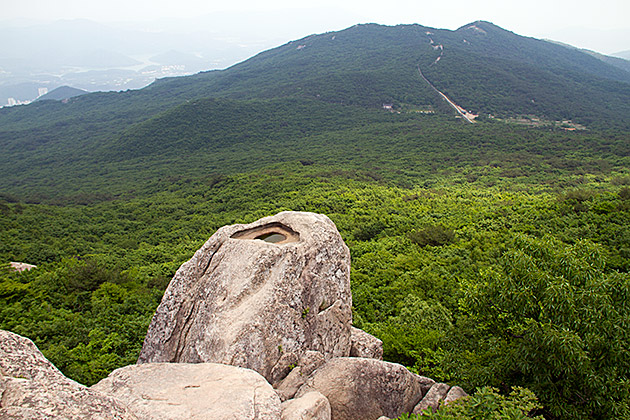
x,y
32,388
365,345
310,406
366,389
308,363
425,383
284,366
454,394
244,301
432,399
180,391
20,266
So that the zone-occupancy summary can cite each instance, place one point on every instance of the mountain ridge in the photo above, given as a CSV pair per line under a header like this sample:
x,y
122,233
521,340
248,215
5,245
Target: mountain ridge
x,y
622,54
313,81
237,81
62,93
612,59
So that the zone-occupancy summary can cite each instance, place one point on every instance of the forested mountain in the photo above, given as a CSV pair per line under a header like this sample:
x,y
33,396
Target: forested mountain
x,y
61,93
621,63
487,254
481,67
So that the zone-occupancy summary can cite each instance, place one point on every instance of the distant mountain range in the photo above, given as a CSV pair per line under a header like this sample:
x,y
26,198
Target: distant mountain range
x,y
483,68
350,75
623,54
100,57
62,93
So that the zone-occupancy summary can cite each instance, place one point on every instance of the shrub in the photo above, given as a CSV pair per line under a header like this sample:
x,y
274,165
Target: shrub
x,y
486,403
434,235
553,319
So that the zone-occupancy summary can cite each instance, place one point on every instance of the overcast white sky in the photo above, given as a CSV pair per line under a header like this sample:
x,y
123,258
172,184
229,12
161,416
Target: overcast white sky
x,y
602,25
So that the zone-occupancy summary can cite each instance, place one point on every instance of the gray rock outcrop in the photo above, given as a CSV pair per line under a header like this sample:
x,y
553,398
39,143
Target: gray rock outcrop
x,y
366,345
20,266
257,326
284,366
31,388
432,399
201,391
454,394
310,406
254,292
308,363
359,388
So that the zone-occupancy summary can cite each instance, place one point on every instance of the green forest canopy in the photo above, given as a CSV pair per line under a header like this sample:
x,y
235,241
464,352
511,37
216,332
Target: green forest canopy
x,y
485,255
467,276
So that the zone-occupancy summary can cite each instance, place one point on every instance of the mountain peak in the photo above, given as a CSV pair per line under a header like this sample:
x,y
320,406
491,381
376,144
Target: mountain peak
x,y
61,93
481,27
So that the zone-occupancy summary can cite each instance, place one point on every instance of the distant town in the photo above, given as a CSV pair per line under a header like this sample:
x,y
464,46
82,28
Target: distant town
x,y
12,101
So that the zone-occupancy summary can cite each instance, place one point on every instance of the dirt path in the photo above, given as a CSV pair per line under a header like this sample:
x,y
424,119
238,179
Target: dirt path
x,y
461,111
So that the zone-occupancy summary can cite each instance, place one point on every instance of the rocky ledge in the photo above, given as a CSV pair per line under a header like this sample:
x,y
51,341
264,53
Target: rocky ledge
x,y
257,325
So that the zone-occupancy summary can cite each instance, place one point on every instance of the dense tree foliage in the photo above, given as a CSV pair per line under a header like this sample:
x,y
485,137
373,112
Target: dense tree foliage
x,y
559,326
87,318
471,277
485,404
482,255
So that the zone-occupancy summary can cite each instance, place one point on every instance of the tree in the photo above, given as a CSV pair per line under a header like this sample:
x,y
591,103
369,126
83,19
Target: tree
x,y
552,318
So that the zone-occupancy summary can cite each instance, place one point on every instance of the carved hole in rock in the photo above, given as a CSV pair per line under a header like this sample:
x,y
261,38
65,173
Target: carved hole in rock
x,y
275,233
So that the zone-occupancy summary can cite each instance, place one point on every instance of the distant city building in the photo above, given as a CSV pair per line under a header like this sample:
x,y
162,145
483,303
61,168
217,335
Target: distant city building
x,y
14,102
42,91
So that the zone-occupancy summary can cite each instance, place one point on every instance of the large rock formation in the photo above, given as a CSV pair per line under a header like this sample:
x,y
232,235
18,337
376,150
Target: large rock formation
x,y
200,391
272,296
32,388
255,292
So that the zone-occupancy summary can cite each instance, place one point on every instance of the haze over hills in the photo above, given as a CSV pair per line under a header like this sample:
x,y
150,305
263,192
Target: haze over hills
x,y
623,54
480,179
61,93
116,56
480,67
104,57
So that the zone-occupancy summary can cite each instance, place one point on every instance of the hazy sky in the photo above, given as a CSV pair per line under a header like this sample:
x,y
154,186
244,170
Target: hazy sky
x,y
602,25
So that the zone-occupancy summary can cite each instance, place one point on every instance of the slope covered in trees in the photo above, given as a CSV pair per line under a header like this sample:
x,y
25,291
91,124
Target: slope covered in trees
x,y
467,274
477,249
352,72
